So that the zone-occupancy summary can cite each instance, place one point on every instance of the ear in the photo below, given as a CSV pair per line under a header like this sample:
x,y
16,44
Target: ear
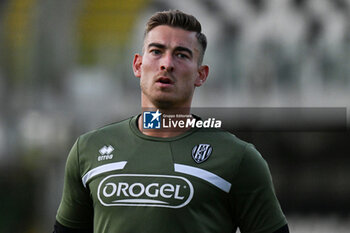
x,y
136,65
203,72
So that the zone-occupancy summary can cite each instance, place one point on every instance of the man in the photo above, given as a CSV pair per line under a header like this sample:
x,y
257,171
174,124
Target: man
x,y
126,178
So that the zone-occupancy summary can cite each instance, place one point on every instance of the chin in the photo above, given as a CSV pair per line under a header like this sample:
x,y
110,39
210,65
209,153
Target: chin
x,y
170,104
164,104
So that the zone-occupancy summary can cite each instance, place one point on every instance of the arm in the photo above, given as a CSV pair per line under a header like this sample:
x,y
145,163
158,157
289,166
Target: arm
x,y
283,229
254,202
75,210
59,228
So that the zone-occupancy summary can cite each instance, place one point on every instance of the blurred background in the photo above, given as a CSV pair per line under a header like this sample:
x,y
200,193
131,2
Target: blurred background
x,y
65,69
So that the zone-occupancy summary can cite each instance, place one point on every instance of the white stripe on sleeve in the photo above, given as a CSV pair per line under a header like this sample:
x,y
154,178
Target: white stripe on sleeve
x,y
102,169
204,175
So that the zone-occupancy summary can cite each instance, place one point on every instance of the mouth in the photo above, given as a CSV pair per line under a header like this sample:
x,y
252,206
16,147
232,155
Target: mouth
x,y
165,81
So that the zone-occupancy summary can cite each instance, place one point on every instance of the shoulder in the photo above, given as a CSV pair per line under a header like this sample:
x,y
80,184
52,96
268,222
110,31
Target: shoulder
x,y
238,146
245,154
228,151
93,146
114,129
109,136
224,140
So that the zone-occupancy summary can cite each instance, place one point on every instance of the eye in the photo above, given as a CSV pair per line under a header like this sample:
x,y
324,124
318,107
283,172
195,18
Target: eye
x,y
182,55
155,51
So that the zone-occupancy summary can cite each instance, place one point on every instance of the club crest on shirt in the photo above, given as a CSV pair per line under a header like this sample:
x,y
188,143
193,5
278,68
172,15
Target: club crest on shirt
x,y
201,152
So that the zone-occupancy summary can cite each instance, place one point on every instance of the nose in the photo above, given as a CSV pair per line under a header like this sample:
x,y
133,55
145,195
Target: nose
x,y
167,63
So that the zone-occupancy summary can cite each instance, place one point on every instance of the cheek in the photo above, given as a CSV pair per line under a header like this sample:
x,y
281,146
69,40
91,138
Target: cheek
x,y
147,71
191,73
148,64
144,86
144,82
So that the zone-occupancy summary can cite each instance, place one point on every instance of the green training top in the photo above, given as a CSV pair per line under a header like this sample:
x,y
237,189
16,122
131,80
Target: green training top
x,y
118,180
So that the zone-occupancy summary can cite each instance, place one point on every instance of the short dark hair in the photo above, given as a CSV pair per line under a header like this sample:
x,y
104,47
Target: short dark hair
x,y
176,18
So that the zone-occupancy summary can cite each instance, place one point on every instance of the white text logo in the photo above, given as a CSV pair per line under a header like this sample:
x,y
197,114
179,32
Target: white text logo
x,y
145,190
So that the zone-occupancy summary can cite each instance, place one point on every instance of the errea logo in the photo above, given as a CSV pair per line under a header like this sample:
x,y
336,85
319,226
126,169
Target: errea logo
x,y
106,153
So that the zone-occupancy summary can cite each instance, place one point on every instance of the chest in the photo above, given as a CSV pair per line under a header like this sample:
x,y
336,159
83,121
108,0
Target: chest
x,y
156,174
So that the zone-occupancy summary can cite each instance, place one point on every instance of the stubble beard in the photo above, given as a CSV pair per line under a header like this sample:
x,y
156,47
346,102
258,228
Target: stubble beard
x,y
165,99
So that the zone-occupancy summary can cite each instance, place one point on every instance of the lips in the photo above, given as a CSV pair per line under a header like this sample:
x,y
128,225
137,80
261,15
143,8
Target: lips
x,y
165,81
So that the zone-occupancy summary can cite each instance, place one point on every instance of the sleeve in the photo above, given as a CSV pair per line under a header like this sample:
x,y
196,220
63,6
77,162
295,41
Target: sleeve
x,y
254,203
75,210
284,229
59,228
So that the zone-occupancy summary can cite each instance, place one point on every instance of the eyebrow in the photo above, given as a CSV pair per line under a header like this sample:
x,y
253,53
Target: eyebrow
x,y
177,48
161,46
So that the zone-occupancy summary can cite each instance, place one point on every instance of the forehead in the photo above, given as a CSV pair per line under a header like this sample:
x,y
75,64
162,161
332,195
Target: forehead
x,y
172,37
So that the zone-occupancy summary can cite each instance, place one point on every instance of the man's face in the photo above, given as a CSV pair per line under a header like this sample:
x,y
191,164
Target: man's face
x,y
169,69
